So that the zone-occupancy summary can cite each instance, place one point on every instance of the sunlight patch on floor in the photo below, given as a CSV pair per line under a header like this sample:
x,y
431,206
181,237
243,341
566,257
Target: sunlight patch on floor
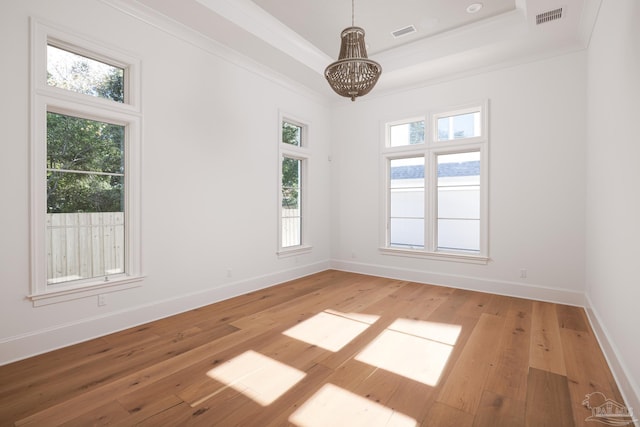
x,y
334,406
331,329
414,349
257,376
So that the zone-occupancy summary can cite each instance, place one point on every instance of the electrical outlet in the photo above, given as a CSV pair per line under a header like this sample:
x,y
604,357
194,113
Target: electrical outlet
x,y
102,301
523,273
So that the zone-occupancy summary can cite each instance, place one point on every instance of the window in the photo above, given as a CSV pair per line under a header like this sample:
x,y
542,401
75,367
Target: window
x,y
458,202
435,186
410,133
85,168
291,206
85,198
78,73
292,209
459,125
406,197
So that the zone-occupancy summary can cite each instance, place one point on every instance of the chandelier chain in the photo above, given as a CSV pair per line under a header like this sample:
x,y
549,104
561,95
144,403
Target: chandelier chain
x,y
353,13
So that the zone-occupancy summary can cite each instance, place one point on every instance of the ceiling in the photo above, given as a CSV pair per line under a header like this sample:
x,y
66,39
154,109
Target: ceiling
x,y
299,38
320,22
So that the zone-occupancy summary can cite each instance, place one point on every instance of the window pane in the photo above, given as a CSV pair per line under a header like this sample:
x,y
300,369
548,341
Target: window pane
x,y
80,74
85,199
459,235
459,201
80,144
292,134
407,202
291,230
290,182
406,196
406,134
407,173
459,126
84,245
291,209
407,233
85,226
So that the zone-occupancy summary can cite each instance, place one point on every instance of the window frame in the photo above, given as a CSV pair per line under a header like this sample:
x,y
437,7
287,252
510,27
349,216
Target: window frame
x,y
44,99
301,153
431,149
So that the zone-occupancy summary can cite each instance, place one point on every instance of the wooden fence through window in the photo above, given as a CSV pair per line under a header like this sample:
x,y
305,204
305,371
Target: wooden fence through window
x,y
84,245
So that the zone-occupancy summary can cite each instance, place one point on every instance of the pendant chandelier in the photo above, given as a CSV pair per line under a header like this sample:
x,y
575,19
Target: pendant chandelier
x,y
353,74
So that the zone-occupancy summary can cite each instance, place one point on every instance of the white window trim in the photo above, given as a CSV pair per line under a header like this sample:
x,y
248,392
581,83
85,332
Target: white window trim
x,y
430,149
302,153
46,98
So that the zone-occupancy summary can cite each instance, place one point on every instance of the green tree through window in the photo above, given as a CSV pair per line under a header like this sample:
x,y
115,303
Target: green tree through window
x,y
77,73
85,165
291,134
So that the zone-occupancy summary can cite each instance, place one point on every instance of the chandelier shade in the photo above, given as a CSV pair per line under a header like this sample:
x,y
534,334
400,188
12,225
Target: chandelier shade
x,y
353,74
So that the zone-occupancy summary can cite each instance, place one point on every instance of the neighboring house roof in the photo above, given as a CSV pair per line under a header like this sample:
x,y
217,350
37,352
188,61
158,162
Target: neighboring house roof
x,y
444,170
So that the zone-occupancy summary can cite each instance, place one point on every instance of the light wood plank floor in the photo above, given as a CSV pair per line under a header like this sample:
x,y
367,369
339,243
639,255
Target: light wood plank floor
x,y
331,349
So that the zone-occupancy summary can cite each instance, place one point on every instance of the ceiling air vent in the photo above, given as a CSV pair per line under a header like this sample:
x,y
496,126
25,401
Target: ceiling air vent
x,y
403,31
551,15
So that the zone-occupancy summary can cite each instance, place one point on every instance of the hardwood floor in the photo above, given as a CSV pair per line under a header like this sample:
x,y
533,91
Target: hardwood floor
x,y
331,349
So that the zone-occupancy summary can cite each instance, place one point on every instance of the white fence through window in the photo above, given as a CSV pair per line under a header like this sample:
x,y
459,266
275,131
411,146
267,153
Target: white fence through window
x,y
291,227
84,245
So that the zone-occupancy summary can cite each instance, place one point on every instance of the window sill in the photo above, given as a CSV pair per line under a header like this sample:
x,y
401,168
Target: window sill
x,y
441,256
293,251
85,290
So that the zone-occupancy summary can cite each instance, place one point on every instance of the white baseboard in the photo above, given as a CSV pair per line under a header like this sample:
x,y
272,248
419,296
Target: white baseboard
x,y
629,387
41,341
500,287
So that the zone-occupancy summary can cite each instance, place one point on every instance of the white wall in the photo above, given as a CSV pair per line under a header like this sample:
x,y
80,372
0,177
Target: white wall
x,y
613,178
209,178
536,197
